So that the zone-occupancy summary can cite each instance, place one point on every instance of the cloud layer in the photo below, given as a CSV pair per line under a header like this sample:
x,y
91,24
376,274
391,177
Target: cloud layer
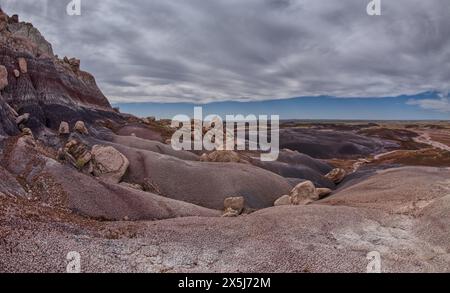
x,y
212,50
441,104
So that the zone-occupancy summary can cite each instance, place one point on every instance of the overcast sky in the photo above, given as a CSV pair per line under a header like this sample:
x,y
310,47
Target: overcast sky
x,y
213,50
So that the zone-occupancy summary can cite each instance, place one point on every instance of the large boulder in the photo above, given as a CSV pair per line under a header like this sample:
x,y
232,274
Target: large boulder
x,y
64,128
3,77
304,193
77,154
233,206
109,164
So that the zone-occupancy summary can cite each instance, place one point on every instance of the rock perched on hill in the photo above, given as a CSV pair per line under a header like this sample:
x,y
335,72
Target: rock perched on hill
x,y
3,77
336,175
73,63
221,157
80,127
233,206
23,65
109,164
64,128
304,193
14,18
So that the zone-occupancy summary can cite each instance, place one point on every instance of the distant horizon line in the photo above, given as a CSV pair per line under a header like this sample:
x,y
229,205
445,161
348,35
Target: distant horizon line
x,y
428,92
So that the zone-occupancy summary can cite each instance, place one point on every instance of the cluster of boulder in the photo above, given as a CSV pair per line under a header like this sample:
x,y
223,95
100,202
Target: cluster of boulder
x,y
103,162
22,68
21,120
302,194
79,127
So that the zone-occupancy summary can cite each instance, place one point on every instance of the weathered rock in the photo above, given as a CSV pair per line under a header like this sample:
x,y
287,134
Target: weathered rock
x,y
22,119
64,128
323,192
230,214
27,131
80,127
109,164
23,65
77,154
283,201
336,175
73,63
304,193
3,77
234,205
221,157
16,73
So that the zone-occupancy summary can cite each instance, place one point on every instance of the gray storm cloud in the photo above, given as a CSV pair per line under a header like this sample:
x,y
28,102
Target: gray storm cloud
x,y
213,50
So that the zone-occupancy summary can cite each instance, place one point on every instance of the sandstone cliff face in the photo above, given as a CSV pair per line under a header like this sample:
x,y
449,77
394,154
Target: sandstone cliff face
x,y
39,83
